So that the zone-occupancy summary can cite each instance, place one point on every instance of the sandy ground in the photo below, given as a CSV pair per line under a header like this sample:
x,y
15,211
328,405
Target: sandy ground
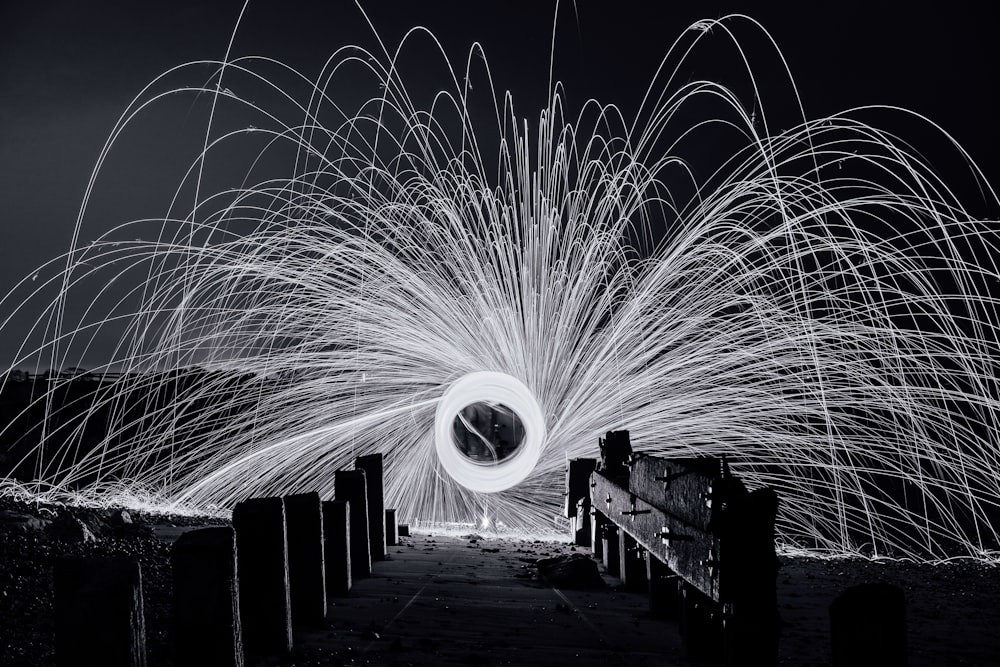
x,y
953,610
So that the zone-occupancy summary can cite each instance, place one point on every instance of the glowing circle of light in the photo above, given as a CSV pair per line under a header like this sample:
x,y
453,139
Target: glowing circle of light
x,y
489,387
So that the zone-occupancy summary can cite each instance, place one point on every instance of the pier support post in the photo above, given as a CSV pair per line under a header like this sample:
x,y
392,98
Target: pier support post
x,y
351,486
337,535
262,571
98,612
662,582
610,549
868,626
597,534
699,622
577,487
631,563
306,567
372,464
391,528
582,523
207,629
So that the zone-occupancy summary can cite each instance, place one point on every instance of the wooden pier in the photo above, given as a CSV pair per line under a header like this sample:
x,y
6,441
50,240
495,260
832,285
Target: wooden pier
x,y
689,575
442,600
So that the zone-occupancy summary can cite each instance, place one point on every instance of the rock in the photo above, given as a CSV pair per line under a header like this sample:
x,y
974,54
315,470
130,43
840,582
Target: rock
x,y
93,520
574,572
121,524
68,528
119,518
20,523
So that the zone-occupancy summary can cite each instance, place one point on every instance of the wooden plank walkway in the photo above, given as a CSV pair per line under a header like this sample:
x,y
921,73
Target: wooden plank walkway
x,y
463,601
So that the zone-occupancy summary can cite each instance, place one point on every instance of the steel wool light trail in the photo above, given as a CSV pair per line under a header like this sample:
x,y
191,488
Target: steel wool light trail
x,y
381,273
481,387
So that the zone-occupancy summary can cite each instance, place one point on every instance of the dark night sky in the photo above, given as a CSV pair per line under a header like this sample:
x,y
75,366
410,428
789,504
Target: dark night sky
x,y
68,69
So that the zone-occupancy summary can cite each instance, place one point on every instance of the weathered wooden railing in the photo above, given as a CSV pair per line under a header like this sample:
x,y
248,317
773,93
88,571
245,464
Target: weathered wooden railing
x,y
688,531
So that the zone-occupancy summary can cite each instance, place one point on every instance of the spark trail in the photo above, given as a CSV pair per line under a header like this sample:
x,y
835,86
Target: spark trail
x,y
816,306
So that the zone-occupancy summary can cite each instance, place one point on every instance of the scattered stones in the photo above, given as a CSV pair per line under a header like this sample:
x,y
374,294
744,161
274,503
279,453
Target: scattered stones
x,y
122,524
26,581
573,572
21,523
67,528
93,519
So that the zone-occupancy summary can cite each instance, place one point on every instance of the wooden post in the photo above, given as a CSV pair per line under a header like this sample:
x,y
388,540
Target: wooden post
x,y
597,534
372,465
351,486
391,528
699,622
207,629
578,483
262,571
662,583
98,612
337,534
306,568
749,570
581,523
868,626
631,563
616,453
610,549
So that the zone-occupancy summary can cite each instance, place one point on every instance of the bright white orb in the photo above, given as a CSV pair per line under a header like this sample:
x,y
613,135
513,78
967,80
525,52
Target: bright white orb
x,y
489,387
